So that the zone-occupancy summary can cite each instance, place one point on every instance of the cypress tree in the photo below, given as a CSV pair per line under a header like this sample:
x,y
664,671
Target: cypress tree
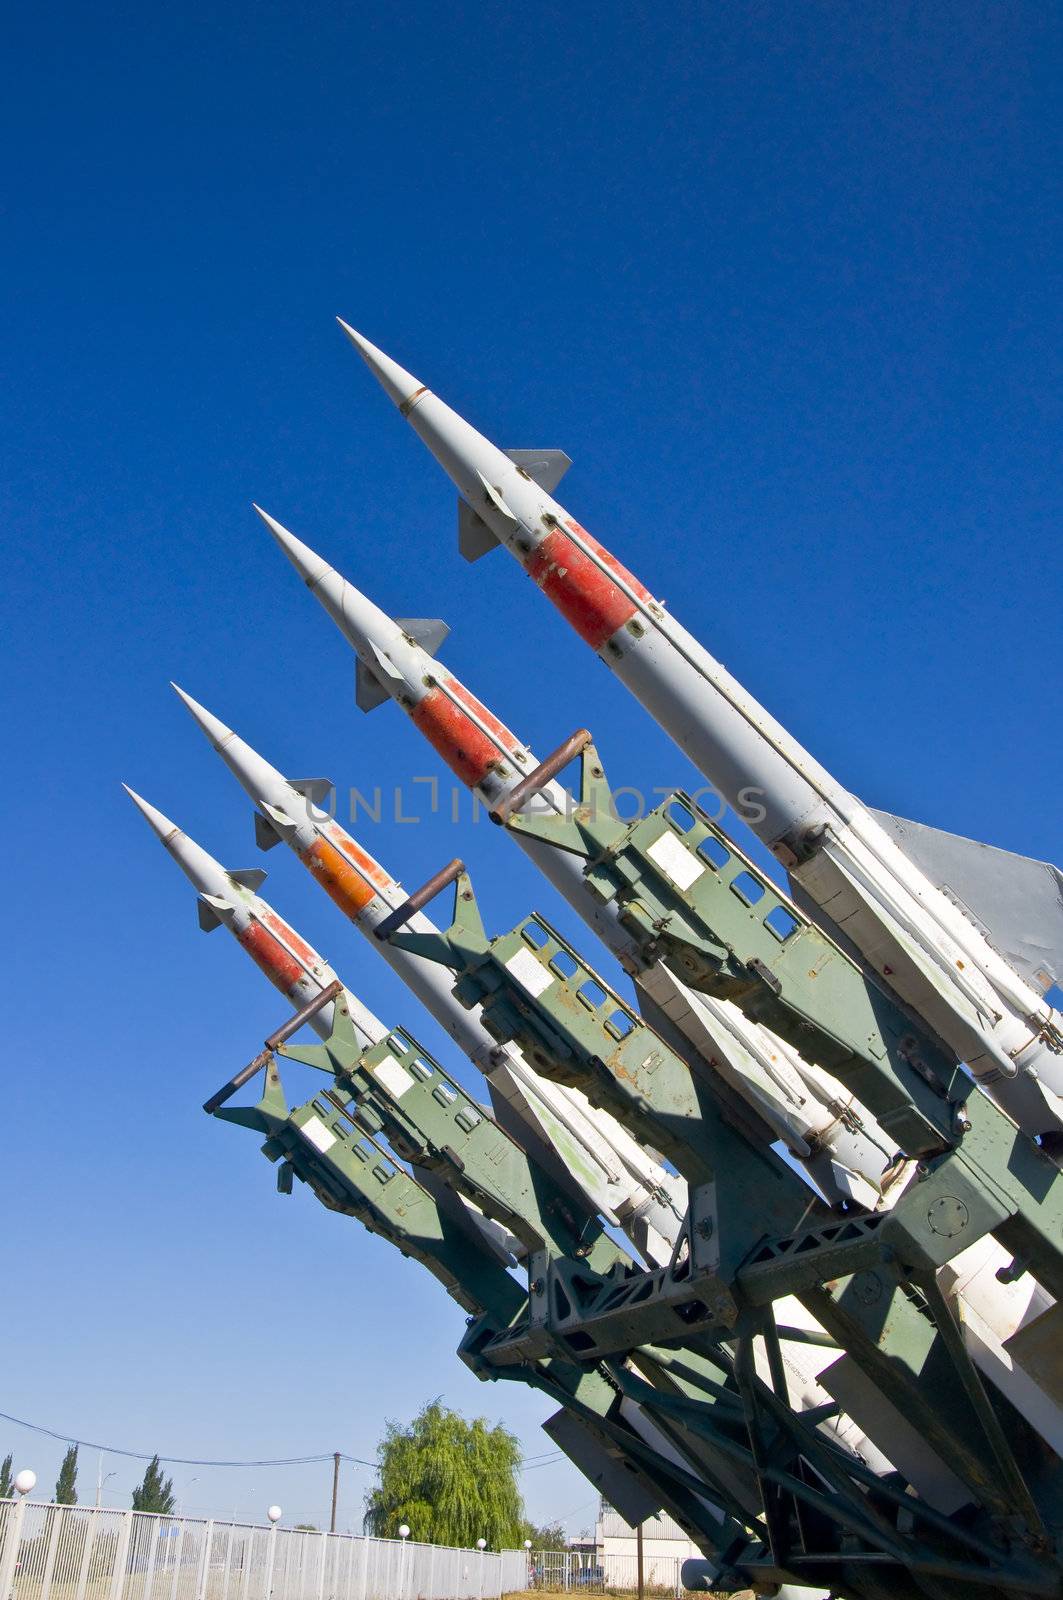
x,y
155,1493
65,1487
7,1480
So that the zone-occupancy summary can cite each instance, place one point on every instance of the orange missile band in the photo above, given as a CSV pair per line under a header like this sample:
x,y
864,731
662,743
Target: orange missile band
x,y
348,875
583,594
465,748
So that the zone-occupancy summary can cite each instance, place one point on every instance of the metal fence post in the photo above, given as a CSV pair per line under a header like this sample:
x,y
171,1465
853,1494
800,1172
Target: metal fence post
x,y
271,1550
121,1557
204,1560
9,1559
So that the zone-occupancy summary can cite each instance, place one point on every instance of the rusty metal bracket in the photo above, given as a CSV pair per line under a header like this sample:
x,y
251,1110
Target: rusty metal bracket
x,y
285,1031
418,899
541,776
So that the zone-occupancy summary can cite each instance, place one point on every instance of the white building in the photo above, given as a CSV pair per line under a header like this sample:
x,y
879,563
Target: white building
x,y
664,1549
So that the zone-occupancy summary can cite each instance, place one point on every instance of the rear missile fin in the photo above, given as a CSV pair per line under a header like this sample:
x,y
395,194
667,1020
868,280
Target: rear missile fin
x,y
316,790
545,467
208,917
1016,901
249,877
368,690
266,835
428,632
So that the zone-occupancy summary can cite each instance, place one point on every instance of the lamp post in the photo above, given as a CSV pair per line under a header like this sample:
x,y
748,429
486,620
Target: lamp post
x,y
25,1481
481,1545
274,1514
404,1560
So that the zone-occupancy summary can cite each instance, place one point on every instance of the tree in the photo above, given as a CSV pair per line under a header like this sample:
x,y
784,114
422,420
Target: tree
x,y
156,1492
7,1480
551,1536
451,1481
65,1485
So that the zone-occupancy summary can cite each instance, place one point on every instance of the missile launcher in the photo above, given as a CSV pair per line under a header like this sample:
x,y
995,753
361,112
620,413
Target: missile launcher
x,y
832,1352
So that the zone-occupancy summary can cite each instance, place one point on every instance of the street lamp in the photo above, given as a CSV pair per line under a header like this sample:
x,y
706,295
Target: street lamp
x,y
404,1531
274,1514
24,1482
481,1544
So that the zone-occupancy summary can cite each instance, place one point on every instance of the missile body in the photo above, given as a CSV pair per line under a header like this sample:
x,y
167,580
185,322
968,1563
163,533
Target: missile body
x,y
837,852
845,1154
616,1174
228,899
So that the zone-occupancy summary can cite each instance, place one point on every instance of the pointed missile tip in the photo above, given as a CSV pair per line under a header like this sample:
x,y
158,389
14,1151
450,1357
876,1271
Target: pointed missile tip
x,y
160,824
308,564
214,728
398,384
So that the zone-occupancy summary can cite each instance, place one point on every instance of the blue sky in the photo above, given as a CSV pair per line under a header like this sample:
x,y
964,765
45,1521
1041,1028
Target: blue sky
x,y
784,282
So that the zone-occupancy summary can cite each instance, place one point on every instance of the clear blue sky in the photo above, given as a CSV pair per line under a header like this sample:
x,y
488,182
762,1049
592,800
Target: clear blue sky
x,y
784,280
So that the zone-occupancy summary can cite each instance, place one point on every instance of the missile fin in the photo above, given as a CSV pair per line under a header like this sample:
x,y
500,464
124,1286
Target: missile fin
x,y
266,835
428,632
475,538
589,1450
1016,902
249,877
208,917
316,790
368,690
546,467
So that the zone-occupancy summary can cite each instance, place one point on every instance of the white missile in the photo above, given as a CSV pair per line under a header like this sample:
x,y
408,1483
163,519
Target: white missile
x,y
228,899
618,1177
920,906
843,1150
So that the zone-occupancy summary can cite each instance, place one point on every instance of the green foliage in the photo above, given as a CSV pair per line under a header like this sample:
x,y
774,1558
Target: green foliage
x,y
156,1492
551,1536
306,1527
7,1478
450,1480
65,1485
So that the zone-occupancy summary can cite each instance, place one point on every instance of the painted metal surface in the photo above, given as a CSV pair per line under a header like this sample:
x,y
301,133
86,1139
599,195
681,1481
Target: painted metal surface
x,y
837,851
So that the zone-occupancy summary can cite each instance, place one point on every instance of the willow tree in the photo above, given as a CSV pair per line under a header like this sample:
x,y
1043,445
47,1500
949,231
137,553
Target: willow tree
x,y
450,1481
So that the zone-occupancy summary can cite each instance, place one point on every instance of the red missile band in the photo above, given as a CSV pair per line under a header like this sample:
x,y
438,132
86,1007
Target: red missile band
x,y
288,936
465,748
583,594
267,952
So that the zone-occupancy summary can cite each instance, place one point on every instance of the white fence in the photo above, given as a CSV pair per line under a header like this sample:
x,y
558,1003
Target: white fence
x,y
50,1552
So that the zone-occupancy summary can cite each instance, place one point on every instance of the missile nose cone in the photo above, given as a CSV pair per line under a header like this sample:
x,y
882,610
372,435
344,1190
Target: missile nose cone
x,y
398,384
308,564
212,726
161,825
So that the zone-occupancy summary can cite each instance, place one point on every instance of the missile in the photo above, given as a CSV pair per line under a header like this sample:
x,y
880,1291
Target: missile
x,y
620,1179
922,907
228,899
845,1155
